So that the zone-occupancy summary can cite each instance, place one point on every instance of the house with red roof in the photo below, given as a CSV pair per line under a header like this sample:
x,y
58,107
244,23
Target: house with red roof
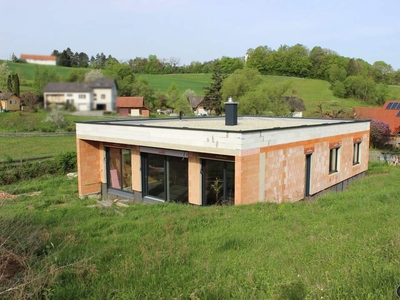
x,y
388,113
39,59
132,106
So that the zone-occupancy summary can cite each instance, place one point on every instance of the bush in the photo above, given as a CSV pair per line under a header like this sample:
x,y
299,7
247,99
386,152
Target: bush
x,y
61,164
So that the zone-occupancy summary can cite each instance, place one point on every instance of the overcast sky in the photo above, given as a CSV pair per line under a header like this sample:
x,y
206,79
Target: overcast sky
x,y
200,30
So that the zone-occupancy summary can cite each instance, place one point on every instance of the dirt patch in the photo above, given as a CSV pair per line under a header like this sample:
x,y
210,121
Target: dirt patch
x,y
4,195
9,267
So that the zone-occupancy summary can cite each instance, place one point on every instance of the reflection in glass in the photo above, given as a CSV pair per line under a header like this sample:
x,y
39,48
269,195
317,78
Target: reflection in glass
x,y
119,169
218,182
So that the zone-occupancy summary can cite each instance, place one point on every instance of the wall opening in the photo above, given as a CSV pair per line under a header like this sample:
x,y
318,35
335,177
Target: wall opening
x,y
218,182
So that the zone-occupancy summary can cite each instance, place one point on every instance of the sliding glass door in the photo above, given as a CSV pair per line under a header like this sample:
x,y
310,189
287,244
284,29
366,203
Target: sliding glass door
x,y
165,177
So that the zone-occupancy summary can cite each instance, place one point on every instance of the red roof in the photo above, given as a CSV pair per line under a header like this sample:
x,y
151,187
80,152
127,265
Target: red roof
x,y
383,114
38,57
131,102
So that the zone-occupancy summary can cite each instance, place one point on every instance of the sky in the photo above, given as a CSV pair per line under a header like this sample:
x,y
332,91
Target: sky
x,y
200,30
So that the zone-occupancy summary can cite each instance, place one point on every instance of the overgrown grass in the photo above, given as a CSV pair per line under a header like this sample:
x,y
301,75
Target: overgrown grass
x,y
342,246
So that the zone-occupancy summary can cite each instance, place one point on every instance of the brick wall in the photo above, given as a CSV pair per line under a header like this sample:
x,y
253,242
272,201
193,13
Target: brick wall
x,y
247,179
90,166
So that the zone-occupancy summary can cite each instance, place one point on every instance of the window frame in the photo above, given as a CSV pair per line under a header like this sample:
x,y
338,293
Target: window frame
x,y
334,160
356,153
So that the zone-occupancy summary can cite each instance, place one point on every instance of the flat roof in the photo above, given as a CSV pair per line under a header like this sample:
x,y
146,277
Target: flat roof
x,y
246,123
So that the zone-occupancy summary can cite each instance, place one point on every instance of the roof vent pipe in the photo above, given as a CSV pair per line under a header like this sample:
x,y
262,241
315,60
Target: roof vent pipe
x,y
231,117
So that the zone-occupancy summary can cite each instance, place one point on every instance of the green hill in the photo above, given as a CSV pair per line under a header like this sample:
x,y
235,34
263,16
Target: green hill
x,y
314,92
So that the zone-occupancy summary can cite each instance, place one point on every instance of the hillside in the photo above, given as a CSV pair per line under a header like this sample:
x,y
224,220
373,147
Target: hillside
x,y
314,92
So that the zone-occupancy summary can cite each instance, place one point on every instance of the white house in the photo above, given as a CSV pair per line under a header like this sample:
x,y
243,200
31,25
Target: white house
x,y
39,59
100,94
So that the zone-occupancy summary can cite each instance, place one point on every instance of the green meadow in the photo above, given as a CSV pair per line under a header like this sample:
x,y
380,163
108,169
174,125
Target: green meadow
x,y
314,92
341,246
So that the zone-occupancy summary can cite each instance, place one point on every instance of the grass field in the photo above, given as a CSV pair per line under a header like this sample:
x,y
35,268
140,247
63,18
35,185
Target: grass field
x,y
314,92
342,246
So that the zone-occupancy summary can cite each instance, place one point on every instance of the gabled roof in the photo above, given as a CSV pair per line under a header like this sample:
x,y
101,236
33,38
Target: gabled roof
x,y
79,87
38,57
195,101
106,83
131,102
67,87
6,96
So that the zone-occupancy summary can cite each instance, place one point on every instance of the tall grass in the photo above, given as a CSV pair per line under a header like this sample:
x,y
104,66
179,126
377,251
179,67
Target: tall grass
x,y
342,246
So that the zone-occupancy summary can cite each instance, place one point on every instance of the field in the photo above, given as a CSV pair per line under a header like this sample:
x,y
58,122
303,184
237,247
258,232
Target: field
x,y
313,92
342,246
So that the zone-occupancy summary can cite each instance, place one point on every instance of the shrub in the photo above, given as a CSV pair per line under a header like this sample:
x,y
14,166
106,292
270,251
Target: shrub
x,y
379,133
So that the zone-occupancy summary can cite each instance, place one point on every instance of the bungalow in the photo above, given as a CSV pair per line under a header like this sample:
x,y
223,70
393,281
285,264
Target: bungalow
x,y
99,94
9,102
214,160
39,59
132,106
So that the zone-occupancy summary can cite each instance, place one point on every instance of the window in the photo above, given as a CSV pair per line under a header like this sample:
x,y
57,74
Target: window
x,y
10,101
94,97
333,160
119,170
82,96
69,95
218,182
356,153
165,177
103,96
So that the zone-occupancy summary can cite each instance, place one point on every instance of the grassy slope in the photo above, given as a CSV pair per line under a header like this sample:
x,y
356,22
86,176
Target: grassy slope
x,y
343,246
312,91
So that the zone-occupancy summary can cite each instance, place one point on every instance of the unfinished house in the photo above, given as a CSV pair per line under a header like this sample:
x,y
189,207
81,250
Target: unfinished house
x,y
220,160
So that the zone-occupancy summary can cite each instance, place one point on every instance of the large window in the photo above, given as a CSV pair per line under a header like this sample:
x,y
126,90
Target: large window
x,y
218,182
119,170
165,177
356,153
333,160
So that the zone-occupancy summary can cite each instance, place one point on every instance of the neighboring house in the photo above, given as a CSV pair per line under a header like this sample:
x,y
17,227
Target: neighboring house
x,y
100,94
196,102
9,102
39,59
388,113
132,106
206,161
297,106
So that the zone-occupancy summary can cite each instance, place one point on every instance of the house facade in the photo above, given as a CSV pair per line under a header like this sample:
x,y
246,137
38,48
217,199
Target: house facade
x,y
39,59
196,102
100,94
9,102
205,161
132,106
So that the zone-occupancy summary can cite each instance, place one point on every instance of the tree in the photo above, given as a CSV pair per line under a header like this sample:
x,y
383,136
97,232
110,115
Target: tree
x,y
41,77
93,75
4,73
213,94
230,65
76,76
379,133
182,104
30,101
141,87
266,99
239,83
172,95
13,84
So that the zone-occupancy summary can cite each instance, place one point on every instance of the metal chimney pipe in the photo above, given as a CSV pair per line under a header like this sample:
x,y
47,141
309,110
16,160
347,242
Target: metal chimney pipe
x,y
231,117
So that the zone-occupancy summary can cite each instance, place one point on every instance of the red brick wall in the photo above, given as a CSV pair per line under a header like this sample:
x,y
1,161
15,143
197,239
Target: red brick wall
x,y
90,169
247,179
